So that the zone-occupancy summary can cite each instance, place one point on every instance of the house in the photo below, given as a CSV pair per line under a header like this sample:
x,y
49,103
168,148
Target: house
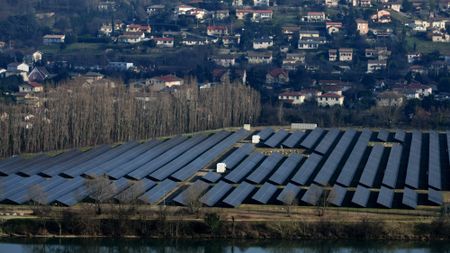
x,y
289,31
256,15
310,44
362,26
194,41
30,87
314,16
120,66
221,14
51,39
131,37
167,81
414,90
444,37
382,17
332,55
418,69
374,65
259,57
225,60
395,7
237,3
229,75
389,99
439,24
362,3
311,94
262,43
164,42
413,57
330,99
183,9
155,9
37,56
333,27
138,28
18,67
293,60
106,6
345,54
304,34
421,25
38,74
107,29
334,89
277,76
293,97
380,53
216,30
331,3
261,3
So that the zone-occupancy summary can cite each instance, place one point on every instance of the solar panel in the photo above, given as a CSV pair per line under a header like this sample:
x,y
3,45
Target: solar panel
x,y
312,138
331,164
383,135
448,145
9,161
35,191
141,171
313,194
95,161
69,186
264,193
435,196
337,195
413,167
211,177
216,193
239,194
121,169
293,139
410,198
244,167
192,193
385,197
276,139
327,141
136,189
23,164
400,135
265,133
236,157
115,188
266,167
59,159
354,160
86,156
289,194
307,169
286,169
73,197
373,163
159,191
209,156
361,196
184,159
393,166
20,184
434,162
121,159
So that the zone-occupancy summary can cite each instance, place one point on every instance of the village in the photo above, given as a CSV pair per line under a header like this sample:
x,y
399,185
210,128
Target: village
x,y
329,53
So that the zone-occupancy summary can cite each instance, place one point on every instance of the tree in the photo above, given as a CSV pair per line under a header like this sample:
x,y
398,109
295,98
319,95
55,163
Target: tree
x,y
100,189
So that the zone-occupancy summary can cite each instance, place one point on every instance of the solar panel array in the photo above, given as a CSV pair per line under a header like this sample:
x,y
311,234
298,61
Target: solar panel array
x,y
343,168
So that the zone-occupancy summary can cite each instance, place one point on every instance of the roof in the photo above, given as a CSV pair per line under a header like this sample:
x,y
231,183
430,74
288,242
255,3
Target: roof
x,y
330,95
217,27
278,71
292,93
163,39
358,20
315,13
168,78
54,36
35,84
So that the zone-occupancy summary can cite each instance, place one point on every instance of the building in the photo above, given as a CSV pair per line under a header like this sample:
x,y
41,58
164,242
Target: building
x,y
345,54
413,57
131,37
331,3
444,37
216,30
333,27
293,97
50,39
332,55
262,43
168,81
18,67
225,60
330,99
314,16
362,26
221,14
37,56
38,74
256,15
375,65
382,17
155,9
277,76
380,53
164,42
261,3
259,57
389,99
414,90
31,87
194,41
120,66
139,28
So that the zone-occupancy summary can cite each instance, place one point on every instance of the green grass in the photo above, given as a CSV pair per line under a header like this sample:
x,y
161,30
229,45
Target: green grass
x,y
87,48
425,46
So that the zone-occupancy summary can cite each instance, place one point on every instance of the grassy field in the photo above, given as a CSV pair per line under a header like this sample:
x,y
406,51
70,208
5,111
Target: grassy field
x,y
424,46
75,48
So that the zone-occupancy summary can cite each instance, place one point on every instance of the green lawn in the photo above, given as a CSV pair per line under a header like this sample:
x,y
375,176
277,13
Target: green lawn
x,y
425,46
90,48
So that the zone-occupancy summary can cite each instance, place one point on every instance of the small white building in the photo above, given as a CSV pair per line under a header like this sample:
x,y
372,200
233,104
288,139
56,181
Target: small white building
x,y
164,42
259,57
50,39
295,98
121,66
374,65
262,43
330,99
168,81
18,67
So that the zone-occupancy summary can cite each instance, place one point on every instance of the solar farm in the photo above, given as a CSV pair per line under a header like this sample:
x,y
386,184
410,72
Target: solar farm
x,y
358,168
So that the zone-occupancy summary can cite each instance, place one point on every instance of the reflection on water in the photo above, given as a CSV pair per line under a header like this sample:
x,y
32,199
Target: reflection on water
x,y
208,246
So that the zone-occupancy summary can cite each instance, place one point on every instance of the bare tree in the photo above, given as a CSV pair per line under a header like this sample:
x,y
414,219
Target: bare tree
x,y
290,200
100,189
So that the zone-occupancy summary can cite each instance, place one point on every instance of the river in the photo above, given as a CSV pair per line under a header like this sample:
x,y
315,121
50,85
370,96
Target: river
x,y
213,246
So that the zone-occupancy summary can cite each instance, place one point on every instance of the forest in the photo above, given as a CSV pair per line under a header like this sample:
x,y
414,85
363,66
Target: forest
x,y
77,114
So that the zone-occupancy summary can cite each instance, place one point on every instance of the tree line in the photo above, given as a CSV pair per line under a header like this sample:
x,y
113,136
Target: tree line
x,y
78,114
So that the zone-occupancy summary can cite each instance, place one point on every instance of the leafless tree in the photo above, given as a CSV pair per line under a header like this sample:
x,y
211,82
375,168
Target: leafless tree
x,y
100,189
290,200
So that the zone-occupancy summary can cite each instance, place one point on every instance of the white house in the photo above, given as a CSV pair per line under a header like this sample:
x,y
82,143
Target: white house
x,y
374,65
121,66
50,39
168,81
294,97
261,3
262,43
330,99
18,67
259,57
164,42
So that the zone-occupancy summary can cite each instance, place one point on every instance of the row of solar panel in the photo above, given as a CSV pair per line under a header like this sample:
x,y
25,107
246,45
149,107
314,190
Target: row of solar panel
x,y
179,157
225,193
